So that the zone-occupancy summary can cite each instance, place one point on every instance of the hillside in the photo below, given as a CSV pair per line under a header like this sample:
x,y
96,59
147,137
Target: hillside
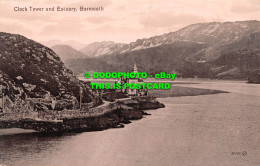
x,y
74,44
66,52
195,50
103,48
31,70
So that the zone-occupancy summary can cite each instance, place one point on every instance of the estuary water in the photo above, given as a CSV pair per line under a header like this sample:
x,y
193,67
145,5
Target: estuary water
x,y
219,129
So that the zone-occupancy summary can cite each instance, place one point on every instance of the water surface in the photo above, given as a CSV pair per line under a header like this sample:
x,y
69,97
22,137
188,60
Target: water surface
x,y
191,131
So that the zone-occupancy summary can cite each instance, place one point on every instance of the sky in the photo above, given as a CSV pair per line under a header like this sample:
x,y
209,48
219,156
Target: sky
x,y
121,21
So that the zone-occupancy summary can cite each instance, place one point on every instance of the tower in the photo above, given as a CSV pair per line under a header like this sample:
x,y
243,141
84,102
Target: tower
x,y
132,80
134,69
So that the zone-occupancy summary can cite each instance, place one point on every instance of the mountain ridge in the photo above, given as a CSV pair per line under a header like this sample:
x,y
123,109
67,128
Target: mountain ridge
x,y
218,39
74,44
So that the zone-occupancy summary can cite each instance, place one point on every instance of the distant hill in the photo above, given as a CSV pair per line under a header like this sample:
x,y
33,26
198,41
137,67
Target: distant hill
x,y
74,44
66,52
198,50
103,48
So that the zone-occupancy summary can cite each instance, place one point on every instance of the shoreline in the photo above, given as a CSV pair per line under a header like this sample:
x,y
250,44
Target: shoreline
x,y
119,114
179,91
109,116
15,131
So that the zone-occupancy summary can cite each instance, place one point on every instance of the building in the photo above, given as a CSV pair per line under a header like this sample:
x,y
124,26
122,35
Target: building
x,y
129,91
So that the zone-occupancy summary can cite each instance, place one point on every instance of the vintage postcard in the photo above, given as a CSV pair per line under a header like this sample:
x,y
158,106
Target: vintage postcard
x,y
129,83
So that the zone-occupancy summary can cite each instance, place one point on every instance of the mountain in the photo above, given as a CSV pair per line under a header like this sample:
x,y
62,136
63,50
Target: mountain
x,y
67,52
237,59
207,33
214,33
31,70
103,48
74,44
195,50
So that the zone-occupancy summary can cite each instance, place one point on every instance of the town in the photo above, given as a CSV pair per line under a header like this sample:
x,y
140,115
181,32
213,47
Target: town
x,y
91,8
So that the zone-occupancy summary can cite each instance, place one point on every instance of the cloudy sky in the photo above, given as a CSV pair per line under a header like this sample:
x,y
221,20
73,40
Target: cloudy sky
x,y
121,21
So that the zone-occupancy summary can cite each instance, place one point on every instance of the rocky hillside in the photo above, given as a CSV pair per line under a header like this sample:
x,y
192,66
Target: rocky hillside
x,y
196,50
211,33
214,33
66,52
29,69
103,48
